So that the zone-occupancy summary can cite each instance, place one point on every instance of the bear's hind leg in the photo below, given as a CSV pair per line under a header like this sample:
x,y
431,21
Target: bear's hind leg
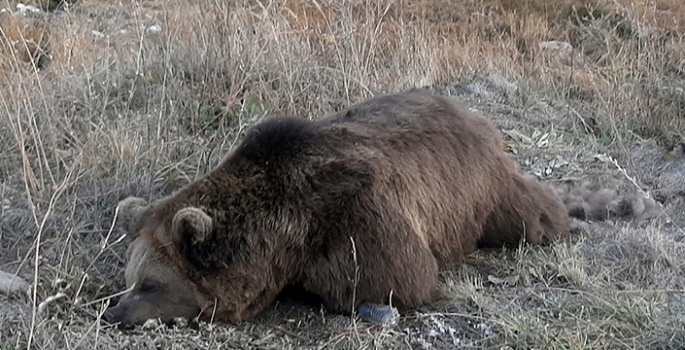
x,y
527,210
549,220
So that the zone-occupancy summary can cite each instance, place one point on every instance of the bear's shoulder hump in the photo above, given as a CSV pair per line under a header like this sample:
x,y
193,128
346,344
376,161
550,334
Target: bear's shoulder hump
x,y
278,139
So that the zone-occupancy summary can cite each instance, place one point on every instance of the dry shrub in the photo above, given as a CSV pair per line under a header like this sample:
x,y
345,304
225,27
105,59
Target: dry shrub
x,y
48,5
22,39
668,15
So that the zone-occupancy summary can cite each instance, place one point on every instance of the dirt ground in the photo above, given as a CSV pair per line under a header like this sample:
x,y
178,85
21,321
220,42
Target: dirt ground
x,y
120,110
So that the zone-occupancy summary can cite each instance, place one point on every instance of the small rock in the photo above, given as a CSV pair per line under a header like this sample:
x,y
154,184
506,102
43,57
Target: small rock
x,y
26,9
154,29
561,49
11,284
558,46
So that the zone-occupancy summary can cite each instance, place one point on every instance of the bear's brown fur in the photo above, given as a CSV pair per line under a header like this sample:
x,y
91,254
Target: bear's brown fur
x,y
413,182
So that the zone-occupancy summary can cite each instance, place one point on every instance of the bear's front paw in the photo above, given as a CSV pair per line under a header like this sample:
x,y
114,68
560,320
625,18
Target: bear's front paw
x,y
382,315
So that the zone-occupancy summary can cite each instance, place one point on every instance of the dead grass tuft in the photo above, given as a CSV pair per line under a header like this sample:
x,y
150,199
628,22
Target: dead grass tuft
x,y
22,40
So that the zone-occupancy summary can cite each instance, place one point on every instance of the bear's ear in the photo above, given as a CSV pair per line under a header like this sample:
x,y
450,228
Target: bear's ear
x,y
128,214
191,226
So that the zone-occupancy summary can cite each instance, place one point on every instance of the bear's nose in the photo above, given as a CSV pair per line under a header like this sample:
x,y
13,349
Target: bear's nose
x,y
115,315
112,315
108,316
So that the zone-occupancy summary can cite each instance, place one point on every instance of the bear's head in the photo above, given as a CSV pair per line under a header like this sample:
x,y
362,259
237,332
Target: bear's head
x,y
156,285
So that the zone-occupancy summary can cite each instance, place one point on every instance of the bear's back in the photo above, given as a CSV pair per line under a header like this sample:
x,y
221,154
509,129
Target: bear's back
x,y
430,172
413,157
433,165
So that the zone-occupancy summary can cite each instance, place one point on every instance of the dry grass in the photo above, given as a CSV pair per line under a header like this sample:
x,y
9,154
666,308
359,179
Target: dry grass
x,y
122,109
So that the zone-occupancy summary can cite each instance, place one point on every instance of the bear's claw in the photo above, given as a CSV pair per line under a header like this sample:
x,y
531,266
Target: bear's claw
x,y
378,314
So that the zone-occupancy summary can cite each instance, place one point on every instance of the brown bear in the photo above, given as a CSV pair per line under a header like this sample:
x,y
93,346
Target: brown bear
x,y
356,207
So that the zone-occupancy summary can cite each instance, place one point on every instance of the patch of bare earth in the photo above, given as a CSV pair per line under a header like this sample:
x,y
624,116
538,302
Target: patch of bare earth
x,y
140,98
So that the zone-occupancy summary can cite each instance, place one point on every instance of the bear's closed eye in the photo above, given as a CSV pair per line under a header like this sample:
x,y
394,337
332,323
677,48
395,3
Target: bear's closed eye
x,y
150,287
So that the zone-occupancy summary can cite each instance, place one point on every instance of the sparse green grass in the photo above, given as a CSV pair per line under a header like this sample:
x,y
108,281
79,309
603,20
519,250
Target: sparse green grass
x,y
125,111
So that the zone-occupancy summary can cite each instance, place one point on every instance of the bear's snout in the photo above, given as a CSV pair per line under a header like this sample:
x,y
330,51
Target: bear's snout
x,y
117,314
135,308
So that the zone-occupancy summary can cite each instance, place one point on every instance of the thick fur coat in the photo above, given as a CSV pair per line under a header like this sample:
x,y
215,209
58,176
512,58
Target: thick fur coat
x,y
367,202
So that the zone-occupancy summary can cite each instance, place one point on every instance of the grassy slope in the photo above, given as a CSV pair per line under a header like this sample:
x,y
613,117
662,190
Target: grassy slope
x,y
122,111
